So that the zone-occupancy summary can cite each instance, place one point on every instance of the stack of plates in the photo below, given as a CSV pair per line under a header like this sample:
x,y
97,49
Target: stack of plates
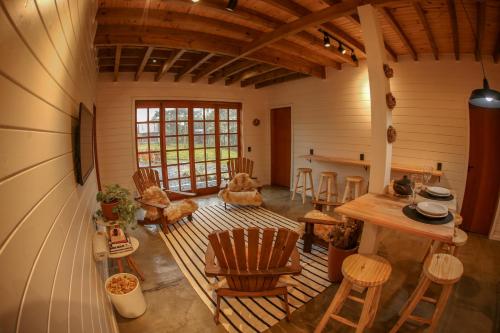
x,y
432,209
438,191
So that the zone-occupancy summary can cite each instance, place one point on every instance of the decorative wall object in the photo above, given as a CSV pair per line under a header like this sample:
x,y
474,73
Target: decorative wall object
x,y
391,134
389,72
390,100
256,122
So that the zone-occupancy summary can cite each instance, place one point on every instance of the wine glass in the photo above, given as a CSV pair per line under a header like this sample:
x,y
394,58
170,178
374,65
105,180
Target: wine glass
x,y
415,185
427,174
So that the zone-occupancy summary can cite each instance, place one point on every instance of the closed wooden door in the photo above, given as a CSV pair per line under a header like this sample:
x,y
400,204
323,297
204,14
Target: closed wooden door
x,y
483,179
281,142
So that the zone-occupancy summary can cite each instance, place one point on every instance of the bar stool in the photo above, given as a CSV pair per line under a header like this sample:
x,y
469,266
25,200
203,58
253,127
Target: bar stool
x,y
458,219
368,271
331,187
443,269
352,183
304,173
459,239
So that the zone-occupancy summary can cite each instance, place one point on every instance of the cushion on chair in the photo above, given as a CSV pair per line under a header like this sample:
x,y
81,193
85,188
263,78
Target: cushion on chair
x,y
284,281
321,230
174,210
241,183
247,198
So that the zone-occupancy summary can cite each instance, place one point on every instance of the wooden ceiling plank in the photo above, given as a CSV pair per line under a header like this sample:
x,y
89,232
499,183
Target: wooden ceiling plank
x,y
427,28
192,66
118,53
144,61
249,72
496,50
288,78
265,77
452,11
230,70
389,17
480,26
209,69
174,56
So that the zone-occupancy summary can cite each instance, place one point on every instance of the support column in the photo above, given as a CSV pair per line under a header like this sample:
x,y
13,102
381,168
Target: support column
x,y
381,117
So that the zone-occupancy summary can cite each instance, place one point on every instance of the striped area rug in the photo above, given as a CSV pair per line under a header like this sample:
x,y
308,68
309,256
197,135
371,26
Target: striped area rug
x,y
188,241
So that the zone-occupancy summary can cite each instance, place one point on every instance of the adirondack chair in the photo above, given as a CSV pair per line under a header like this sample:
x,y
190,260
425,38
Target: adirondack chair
x,y
252,271
237,165
145,178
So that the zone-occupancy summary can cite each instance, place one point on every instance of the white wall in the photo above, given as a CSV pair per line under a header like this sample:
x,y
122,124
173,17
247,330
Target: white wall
x,y
115,120
49,279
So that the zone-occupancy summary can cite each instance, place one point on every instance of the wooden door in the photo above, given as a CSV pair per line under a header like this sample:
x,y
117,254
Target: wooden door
x,y
483,179
281,142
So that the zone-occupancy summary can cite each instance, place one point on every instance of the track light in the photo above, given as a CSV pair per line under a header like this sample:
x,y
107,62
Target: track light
x,y
231,5
342,49
326,40
154,61
354,58
195,1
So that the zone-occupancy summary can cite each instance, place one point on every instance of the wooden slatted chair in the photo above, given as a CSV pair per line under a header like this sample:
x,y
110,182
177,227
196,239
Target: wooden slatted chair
x,y
238,165
252,271
145,178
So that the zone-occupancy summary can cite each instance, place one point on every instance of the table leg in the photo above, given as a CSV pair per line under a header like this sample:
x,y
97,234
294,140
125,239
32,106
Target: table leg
x,y
131,263
308,237
120,265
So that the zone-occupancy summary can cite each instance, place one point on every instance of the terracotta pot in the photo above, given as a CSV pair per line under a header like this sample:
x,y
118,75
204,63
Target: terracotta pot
x,y
336,257
107,210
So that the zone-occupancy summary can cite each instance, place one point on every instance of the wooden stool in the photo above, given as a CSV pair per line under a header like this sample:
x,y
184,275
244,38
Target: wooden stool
x,y
304,173
331,187
368,271
457,219
443,269
459,239
352,183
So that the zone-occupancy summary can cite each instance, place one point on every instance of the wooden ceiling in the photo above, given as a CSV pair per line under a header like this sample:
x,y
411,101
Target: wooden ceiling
x,y
266,42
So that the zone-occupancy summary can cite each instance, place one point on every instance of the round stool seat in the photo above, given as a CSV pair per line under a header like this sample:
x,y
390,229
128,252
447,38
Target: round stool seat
x,y
328,174
460,237
305,170
354,179
443,268
366,270
457,219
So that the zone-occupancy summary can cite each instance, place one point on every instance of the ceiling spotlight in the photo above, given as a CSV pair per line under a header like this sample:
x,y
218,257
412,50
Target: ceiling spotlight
x,y
354,58
231,5
154,61
195,1
326,40
342,49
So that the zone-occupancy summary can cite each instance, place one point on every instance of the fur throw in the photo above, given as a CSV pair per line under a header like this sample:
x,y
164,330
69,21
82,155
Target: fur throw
x,y
173,211
247,198
242,182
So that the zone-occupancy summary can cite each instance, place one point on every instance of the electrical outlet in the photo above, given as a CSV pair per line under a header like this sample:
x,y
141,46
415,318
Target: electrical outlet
x,y
249,149
311,151
361,157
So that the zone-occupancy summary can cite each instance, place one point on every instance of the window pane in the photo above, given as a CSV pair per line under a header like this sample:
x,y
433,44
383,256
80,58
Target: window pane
x,y
182,114
210,140
209,114
223,114
182,127
160,173
233,127
173,185
185,170
200,182
142,145
233,114
155,159
142,130
198,114
233,139
224,153
224,140
234,152
183,142
223,127
212,180
154,144
223,166
154,129
211,167
170,114
171,157
183,156
200,169
142,114
154,114
173,172
171,142
210,154
185,184
199,155
198,127
170,129
224,175
143,160
210,127
198,141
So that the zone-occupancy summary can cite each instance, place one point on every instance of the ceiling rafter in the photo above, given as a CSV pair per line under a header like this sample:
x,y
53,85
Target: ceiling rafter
x,y
265,77
230,70
389,17
249,72
496,50
174,56
193,66
144,61
282,79
427,28
118,53
209,69
452,11
480,26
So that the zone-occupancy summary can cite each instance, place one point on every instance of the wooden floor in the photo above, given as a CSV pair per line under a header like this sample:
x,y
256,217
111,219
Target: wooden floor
x,y
474,307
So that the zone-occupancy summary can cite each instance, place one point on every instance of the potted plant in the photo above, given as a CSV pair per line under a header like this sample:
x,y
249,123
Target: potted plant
x,y
116,204
343,242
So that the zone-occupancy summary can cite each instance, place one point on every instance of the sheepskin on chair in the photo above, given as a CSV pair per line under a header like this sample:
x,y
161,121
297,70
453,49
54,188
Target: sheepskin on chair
x,y
174,210
241,190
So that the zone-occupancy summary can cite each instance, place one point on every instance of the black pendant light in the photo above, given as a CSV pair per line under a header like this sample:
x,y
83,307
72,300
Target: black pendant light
x,y
484,97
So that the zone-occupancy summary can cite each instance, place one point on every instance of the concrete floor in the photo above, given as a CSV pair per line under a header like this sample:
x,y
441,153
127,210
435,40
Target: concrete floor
x,y
173,305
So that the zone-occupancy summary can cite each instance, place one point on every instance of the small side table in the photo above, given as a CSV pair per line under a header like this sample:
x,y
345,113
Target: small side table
x,y
127,255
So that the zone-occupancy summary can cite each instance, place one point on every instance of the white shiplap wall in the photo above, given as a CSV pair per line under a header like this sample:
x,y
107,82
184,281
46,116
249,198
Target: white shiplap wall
x,y
115,121
50,282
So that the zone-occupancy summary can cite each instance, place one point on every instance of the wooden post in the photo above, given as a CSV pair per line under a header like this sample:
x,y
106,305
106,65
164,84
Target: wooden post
x,y
381,117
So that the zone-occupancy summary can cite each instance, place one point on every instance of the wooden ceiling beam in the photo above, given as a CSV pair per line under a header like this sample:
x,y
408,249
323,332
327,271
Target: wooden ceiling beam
x,y
192,66
230,70
209,69
118,53
480,26
427,28
144,61
249,72
389,17
174,56
452,11
291,77
265,77
496,50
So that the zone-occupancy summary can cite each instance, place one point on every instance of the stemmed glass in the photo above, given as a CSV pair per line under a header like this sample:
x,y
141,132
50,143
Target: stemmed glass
x,y
415,185
427,174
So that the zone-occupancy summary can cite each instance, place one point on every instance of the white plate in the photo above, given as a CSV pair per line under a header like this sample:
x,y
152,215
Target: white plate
x,y
432,209
438,191
432,216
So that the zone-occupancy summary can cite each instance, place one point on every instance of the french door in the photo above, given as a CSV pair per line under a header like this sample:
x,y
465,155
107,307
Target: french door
x,y
188,142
